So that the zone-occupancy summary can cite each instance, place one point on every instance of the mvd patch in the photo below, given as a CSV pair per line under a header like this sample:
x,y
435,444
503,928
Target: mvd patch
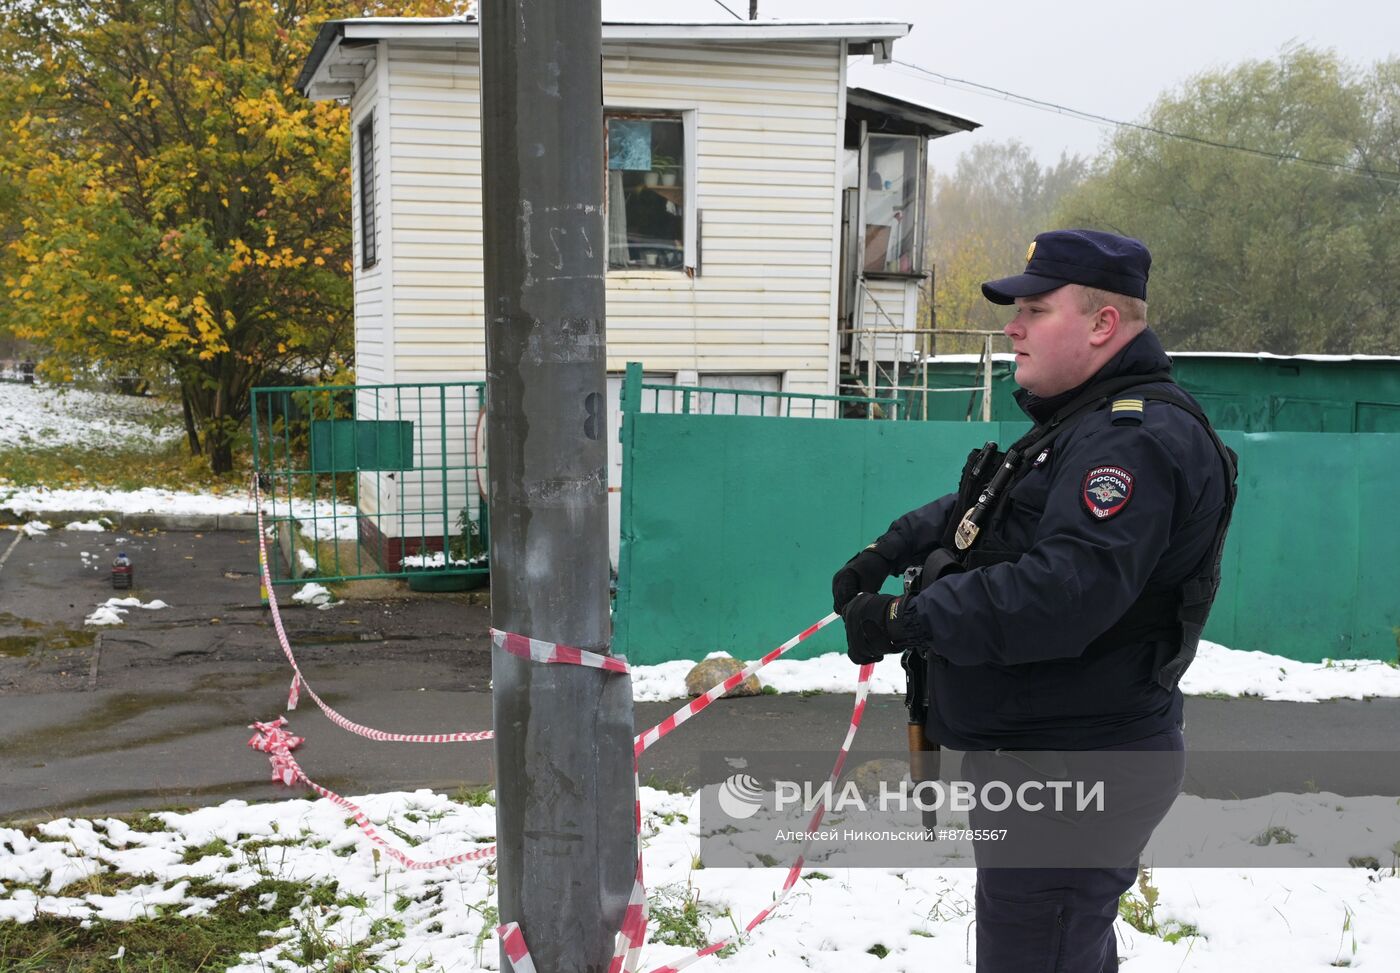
x,y
1107,490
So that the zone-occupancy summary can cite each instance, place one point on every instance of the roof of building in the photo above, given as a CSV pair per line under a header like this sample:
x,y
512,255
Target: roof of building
x,y
925,119
864,36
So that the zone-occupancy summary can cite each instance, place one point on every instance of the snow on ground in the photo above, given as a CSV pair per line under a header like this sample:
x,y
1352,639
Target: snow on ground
x,y
1230,918
110,612
1217,669
322,520
312,593
38,415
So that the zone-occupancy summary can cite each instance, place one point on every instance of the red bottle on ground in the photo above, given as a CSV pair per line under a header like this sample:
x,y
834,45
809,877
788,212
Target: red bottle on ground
x,y
121,571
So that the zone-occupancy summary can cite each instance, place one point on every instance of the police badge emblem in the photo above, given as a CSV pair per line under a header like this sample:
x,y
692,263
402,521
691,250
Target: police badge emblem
x,y
1107,490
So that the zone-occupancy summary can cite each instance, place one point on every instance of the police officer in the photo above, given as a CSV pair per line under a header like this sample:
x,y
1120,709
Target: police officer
x,y
1066,583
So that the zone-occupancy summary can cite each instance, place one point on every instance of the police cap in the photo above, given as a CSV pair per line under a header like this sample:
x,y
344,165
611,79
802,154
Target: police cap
x,y
1090,257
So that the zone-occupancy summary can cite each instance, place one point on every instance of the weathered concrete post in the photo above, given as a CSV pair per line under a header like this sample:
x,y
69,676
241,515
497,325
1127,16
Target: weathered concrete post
x,y
563,733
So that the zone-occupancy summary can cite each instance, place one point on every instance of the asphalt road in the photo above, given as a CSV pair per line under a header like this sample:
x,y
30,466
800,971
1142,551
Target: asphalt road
x,y
154,713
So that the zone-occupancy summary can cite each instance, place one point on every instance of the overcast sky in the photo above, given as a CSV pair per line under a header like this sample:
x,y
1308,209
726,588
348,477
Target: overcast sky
x,y
1108,58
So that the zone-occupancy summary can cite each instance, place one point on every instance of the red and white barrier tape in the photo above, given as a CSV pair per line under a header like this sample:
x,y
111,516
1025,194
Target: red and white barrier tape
x,y
299,681
278,744
536,651
633,934
646,739
632,937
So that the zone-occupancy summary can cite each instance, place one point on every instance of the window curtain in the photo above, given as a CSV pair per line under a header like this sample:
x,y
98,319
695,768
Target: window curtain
x,y
617,220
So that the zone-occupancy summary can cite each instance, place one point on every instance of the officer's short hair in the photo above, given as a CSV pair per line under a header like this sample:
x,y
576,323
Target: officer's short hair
x,y
1131,309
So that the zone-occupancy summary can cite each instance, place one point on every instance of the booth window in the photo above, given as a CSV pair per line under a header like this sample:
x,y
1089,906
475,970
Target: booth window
x,y
646,191
894,217
369,251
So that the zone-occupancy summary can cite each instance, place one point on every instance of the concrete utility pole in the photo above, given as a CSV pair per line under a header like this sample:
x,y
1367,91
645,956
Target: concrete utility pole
x,y
564,789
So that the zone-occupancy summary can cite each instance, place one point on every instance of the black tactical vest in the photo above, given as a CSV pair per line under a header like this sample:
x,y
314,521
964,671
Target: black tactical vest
x,y
973,537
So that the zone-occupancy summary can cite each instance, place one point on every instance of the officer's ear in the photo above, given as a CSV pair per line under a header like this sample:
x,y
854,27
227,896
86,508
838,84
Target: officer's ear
x,y
1105,326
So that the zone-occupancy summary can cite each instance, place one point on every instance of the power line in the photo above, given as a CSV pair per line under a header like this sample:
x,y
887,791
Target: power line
x,y
1050,106
731,13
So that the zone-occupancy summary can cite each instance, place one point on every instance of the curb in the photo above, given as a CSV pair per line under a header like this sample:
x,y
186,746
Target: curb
x,y
136,521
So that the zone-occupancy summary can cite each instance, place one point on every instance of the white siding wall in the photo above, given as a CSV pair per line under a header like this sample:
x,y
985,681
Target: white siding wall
x,y
767,127
436,196
765,183
370,341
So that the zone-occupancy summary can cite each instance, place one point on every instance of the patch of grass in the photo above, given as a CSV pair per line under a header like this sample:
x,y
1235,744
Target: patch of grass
x,y
816,876
667,784
1140,911
160,944
147,824
311,949
108,882
1273,835
253,847
878,950
402,835
675,913
473,796
210,849
768,691
119,468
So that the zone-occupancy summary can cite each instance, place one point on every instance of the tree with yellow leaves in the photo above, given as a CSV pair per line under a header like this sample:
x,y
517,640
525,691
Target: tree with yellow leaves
x,y
180,208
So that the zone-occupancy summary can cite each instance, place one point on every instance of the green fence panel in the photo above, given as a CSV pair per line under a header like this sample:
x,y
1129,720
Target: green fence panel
x,y
1241,392
342,445
1376,573
374,481
733,526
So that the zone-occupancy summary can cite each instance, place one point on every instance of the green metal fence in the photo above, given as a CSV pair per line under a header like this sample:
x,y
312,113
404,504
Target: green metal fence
x,y
732,526
1245,392
701,400
374,481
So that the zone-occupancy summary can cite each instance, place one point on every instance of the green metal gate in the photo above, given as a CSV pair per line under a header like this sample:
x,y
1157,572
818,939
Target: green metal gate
x,y
374,481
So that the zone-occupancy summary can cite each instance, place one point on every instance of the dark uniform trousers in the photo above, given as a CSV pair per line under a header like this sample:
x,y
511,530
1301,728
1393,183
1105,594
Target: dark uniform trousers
x,y
1060,920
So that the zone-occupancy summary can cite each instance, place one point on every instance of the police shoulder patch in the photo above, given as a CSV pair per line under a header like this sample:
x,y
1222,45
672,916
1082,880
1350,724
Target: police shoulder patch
x,y
1106,491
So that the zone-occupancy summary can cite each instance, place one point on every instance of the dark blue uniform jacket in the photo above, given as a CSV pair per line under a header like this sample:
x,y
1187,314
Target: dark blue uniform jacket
x,y
1010,662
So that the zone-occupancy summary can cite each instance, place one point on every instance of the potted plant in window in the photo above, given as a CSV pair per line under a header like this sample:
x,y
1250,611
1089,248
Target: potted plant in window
x,y
666,167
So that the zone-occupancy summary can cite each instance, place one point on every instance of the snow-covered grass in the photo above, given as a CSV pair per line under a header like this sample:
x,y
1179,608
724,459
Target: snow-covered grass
x,y
39,416
323,520
1218,671
323,896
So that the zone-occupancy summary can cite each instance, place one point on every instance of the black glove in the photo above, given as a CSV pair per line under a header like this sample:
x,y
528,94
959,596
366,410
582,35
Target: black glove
x,y
864,572
867,618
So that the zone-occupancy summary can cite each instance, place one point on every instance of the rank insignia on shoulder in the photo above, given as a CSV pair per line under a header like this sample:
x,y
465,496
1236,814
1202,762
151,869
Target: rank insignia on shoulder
x,y
1127,412
1107,490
